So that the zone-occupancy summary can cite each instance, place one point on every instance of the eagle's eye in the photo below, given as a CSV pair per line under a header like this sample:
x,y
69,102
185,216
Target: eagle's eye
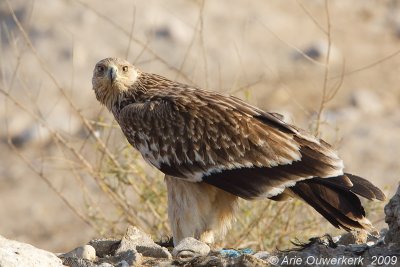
x,y
125,68
100,68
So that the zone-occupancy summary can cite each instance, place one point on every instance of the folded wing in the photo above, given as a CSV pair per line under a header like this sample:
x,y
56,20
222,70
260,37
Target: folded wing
x,y
203,136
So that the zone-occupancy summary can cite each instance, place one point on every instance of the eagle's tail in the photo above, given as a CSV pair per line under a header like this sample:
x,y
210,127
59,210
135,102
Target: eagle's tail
x,y
336,199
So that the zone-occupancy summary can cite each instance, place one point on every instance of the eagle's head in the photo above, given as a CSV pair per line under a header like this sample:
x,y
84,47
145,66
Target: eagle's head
x,y
111,76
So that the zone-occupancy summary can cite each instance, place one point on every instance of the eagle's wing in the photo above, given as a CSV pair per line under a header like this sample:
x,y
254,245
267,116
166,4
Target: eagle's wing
x,y
204,136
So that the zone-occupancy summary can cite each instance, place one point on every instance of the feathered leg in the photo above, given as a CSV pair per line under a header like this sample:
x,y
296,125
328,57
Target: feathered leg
x,y
198,210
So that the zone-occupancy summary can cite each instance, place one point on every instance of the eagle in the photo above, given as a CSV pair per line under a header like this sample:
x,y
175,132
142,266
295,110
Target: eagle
x,y
215,148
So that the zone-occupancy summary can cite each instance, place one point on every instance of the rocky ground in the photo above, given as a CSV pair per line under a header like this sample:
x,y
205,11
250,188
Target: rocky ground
x,y
137,248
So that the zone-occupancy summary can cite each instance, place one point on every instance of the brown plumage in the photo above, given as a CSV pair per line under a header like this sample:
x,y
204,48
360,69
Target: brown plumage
x,y
214,148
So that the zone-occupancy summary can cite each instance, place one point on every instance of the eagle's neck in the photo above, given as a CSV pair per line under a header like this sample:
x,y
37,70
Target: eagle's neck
x,y
131,96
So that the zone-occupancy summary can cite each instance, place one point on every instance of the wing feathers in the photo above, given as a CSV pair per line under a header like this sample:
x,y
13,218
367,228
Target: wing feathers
x,y
256,182
247,183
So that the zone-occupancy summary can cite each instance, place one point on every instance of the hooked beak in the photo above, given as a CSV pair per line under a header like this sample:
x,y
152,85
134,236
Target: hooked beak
x,y
112,74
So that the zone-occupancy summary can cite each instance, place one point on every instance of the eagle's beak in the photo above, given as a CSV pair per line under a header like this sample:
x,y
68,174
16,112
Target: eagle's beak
x,y
112,74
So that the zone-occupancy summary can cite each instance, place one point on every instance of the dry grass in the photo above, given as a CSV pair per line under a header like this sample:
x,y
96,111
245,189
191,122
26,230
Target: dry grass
x,y
114,185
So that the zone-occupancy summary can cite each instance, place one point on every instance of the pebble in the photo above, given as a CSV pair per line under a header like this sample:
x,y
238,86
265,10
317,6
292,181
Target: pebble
x,y
123,264
136,240
264,255
189,248
354,237
357,248
131,257
86,252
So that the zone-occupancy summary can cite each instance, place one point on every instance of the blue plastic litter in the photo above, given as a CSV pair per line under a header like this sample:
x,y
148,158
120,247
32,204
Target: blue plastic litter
x,y
233,253
247,251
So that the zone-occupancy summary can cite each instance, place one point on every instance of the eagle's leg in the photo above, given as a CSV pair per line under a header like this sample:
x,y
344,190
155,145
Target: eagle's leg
x,y
198,210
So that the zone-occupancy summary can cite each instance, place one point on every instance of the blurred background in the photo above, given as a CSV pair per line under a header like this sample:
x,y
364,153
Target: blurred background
x,y
67,174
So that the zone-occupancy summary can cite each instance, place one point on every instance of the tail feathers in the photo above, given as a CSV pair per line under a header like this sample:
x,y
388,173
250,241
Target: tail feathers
x,y
365,188
335,198
355,184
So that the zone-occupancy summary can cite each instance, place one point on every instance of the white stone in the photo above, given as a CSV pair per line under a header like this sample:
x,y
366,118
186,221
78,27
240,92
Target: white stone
x,y
84,252
14,253
190,247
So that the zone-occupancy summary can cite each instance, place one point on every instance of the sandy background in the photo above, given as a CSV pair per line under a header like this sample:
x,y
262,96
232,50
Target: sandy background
x,y
248,48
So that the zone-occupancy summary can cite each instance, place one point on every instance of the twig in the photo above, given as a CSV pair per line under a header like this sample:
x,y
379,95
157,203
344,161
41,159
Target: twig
x,y
252,225
185,57
258,81
311,17
368,66
203,43
47,181
326,72
291,46
144,47
128,48
56,83
163,61
138,219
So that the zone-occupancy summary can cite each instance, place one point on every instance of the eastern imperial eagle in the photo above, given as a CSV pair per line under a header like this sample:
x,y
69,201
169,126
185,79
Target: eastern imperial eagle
x,y
214,148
